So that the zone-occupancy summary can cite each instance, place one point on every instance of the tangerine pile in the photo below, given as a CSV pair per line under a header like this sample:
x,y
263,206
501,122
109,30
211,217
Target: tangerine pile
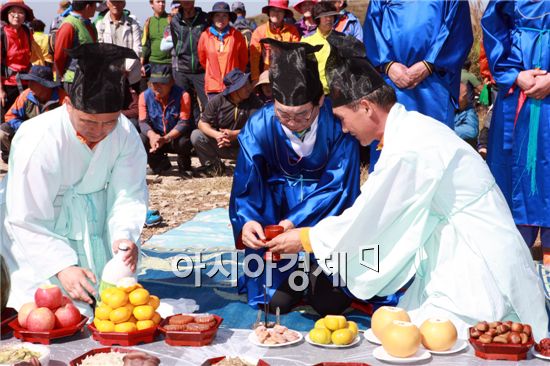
x,y
126,309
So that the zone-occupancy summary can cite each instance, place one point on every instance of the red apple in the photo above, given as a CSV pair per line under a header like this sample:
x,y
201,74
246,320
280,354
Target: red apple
x,y
24,313
66,300
48,296
41,320
67,316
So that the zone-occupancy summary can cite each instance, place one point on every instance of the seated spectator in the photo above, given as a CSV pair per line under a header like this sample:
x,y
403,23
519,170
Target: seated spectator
x,y
43,94
222,121
466,119
222,48
165,123
132,112
306,26
263,88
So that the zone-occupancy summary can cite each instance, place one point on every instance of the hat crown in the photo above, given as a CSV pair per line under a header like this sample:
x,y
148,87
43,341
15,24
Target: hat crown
x,y
233,77
221,6
238,5
278,3
42,72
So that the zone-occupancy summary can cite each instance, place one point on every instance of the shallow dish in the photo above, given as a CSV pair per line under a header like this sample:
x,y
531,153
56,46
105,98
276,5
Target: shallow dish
x,y
45,337
190,338
330,345
43,350
123,339
254,340
500,351
460,345
214,361
421,355
79,359
369,336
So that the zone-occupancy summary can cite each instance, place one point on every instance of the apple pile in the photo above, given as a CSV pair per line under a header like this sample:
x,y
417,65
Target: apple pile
x,y
50,310
506,332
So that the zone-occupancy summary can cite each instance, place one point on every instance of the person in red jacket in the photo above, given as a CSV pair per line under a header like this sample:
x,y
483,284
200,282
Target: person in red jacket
x,y
222,48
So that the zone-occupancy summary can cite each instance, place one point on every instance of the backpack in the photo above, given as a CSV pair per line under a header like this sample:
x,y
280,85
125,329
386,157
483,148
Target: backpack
x,y
247,33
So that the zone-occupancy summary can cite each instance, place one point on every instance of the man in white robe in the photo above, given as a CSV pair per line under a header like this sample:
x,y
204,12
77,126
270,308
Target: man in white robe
x,y
75,189
432,209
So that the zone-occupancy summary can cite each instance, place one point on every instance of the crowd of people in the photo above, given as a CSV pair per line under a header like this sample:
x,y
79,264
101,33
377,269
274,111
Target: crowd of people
x,y
293,102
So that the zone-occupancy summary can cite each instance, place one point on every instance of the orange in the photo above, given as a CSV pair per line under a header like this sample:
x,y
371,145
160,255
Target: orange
x,y
102,312
126,327
116,298
132,319
144,312
105,326
139,296
144,324
156,318
120,315
154,301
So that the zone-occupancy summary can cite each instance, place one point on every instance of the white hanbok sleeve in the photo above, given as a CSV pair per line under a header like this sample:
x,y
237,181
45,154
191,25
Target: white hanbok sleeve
x,y
127,192
393,213
32,187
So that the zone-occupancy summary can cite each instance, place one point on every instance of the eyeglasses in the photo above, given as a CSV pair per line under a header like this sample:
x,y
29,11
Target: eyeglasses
x,y
300,117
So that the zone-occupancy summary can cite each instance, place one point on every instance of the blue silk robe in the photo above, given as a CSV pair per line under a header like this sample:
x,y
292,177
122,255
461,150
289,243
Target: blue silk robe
x,y
439,32
271,182
516,36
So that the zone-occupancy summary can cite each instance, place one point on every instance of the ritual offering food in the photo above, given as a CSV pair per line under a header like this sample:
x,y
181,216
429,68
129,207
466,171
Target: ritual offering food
x,y
501,340
401,339
233,361
333,329
278,335
543,347
115,357
12,354
438,334
190,329
384,317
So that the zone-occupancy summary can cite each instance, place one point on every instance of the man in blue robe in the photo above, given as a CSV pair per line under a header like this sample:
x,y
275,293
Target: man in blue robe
x,y
516,36
295,167
420,47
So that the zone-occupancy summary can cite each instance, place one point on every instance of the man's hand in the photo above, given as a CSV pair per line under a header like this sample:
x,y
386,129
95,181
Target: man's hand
x,y
286,243
76,282
156,141
253,235
3,97
230,134
286,224
541,89
130,256
526,79
417,73
399,75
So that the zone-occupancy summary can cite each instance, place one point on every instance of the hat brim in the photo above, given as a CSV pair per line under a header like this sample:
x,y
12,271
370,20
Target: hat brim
x,y
328,14
237,86
232,15
265,10
298,6
160,79
29,14
39,80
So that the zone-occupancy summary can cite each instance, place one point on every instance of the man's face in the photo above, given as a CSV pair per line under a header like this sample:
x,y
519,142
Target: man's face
x,y
357,123
16,16
187,5
326,24
93,127
296,118
220,20
276,16
162,90
41,93
89,10
116,7
158,6
243,93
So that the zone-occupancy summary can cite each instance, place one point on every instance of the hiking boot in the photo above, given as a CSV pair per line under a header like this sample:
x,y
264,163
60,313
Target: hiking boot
x,y
210,170
163,167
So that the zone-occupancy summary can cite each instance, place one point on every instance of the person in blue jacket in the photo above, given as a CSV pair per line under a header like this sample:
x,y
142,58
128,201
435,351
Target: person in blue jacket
x,y
296,166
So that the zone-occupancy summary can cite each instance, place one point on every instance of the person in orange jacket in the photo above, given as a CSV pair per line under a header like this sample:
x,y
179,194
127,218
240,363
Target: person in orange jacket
x,y
275,28
221,49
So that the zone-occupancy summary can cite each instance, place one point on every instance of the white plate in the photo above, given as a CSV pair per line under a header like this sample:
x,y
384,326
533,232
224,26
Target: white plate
x,y
369,336
459,346
252,339
380,354
541,356
43,350
330,345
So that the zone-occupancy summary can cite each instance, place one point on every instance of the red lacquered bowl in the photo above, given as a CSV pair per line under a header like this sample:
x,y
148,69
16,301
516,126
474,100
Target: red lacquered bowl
x,y
45,337
77,361
341,364
7,316
214,361
500,351
123,339
193,339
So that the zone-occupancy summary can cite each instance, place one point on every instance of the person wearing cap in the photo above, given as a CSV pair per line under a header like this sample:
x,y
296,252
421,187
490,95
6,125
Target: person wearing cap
x,y
42,95
422,213
75,191
76,29
165,122
420,46
275,28
241,23
117,27
346,22
307,25
296,166
222,48
263,88
324,14
186,29
221,122
16,43
175,7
